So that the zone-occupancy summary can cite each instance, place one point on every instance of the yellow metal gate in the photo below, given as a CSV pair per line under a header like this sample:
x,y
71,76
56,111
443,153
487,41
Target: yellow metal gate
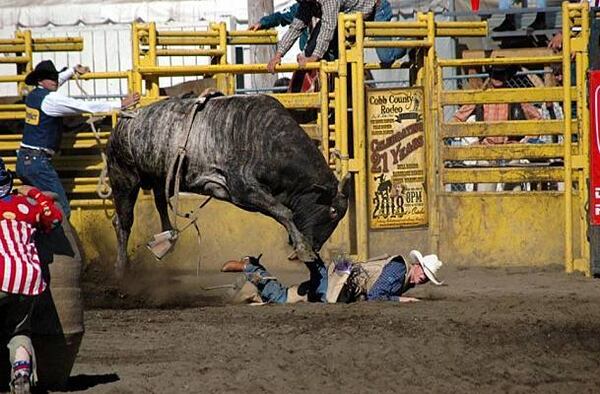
x,y
463,227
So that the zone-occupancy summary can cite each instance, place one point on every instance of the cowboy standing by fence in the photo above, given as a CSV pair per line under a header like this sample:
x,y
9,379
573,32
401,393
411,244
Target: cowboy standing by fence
x,y
381,279
21,278
44,109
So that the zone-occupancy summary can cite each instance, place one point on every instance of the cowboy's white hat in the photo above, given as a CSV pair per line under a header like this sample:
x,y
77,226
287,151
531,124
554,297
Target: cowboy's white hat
x,y
430,264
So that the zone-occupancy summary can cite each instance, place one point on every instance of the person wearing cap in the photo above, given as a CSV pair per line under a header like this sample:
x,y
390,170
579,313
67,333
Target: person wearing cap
x,y
386,278
21,279
44,109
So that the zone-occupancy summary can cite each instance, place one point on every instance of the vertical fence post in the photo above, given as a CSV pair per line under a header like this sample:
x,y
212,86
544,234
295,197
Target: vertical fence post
x,y
359,136
152,88
341,115
324,113
566,64
223,83
136,80
28,41
431,132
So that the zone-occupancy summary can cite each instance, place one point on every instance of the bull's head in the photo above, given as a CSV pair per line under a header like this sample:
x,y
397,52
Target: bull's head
x,y
320,209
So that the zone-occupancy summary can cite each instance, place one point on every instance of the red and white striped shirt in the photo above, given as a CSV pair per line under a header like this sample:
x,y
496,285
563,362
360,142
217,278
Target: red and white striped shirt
x,y
20,216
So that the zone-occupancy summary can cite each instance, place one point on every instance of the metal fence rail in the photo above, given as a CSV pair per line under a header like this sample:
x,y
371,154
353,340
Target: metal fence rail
x,y
341,120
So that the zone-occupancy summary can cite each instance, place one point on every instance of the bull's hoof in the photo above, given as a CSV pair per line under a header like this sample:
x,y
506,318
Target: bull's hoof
x,y
305,253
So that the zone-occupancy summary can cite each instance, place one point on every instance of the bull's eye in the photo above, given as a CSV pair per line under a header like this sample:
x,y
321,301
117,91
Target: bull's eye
x,y
333,213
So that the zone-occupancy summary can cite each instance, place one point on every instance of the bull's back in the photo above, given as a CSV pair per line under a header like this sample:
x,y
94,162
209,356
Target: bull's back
x,y
250,135
146,140
254,136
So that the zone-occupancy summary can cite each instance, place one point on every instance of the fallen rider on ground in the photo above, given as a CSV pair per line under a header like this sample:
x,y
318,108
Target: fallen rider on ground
x,y
384,278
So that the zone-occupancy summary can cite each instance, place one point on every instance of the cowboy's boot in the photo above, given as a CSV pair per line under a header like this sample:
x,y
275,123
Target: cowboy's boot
x,y
234,266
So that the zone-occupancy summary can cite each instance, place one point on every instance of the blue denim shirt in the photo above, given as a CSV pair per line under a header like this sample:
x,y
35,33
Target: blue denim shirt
x,y
283,19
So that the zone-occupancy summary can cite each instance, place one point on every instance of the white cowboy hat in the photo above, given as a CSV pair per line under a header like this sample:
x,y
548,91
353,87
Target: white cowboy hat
x,y
430,264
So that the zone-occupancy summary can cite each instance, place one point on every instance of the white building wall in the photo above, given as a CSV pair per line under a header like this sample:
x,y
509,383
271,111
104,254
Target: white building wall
x,y
107,46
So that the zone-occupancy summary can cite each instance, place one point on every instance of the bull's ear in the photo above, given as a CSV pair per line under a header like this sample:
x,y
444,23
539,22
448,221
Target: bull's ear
x,y
344,186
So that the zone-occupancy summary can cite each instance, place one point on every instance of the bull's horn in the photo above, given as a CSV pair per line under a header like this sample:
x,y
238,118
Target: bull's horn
x,y
344,185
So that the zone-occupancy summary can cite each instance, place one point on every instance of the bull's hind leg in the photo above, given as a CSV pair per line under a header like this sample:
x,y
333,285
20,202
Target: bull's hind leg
x,y
160,201
125,192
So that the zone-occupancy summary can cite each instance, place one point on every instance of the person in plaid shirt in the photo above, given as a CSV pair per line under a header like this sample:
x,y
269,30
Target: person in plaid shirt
x,y
323,43
21,279
385,278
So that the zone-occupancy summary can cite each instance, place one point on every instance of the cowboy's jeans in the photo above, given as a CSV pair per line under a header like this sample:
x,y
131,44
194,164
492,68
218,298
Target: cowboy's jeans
x,y
387,56
35,169
273,291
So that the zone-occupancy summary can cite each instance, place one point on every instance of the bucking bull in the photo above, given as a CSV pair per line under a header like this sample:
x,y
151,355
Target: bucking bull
x,y
246,150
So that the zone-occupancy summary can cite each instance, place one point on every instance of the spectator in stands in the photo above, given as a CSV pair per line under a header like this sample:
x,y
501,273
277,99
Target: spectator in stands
x,y
280,84
386,278
44,108
21,279
322,43
509,24
549,111
497,112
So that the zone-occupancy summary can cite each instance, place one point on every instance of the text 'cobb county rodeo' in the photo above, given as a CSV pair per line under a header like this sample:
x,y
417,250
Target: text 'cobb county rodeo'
x,y
396,154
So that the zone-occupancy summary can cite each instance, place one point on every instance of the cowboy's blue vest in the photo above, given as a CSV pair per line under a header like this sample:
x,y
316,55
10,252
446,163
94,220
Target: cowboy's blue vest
x,y
41,130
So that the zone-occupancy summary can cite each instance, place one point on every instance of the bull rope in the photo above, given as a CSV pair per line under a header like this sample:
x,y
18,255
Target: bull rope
x,y
181,153
175,169
103,188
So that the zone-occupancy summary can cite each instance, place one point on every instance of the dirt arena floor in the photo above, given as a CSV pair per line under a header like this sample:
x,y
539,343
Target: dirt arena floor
x,y
487,330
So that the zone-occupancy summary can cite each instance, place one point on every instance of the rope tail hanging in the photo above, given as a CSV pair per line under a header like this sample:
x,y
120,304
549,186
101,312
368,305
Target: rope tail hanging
x,y
103,188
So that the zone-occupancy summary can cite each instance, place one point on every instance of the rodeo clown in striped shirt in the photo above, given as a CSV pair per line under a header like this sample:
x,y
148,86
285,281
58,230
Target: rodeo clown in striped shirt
x,y
21,214
384,278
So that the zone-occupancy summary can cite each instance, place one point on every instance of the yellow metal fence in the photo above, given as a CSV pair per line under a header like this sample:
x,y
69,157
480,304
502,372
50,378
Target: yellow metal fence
x,y
572,151
343,139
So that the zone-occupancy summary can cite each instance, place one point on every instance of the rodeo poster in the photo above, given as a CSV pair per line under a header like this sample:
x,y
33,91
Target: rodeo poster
x,y
396,158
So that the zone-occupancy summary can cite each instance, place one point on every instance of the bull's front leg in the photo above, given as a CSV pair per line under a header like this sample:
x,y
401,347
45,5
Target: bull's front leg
x,y
302,246
267,204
